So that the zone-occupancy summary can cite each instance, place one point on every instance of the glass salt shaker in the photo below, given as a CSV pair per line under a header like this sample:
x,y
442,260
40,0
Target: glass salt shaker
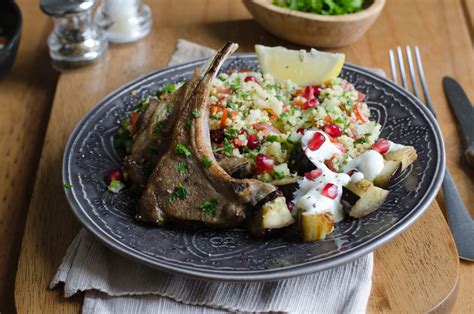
x,y
124,21
75,39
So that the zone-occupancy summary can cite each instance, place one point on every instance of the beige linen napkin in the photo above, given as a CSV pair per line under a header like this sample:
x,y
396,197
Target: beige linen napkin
x,y
114,284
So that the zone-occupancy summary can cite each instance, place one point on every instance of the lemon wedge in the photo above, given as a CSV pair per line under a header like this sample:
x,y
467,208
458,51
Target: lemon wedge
x,y
302,67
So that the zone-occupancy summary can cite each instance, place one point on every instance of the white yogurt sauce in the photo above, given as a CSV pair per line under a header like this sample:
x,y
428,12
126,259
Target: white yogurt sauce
x,y
356,177
394,146
309,197
370,163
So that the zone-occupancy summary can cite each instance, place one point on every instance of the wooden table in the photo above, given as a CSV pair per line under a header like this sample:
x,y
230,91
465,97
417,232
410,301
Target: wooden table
x,y
418,271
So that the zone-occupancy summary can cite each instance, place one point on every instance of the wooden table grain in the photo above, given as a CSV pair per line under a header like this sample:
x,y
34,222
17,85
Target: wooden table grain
x,y
417,271
26,95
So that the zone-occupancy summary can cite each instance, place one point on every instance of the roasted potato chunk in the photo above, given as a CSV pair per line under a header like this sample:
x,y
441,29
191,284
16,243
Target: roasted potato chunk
x,y
406,156
316,226
364,197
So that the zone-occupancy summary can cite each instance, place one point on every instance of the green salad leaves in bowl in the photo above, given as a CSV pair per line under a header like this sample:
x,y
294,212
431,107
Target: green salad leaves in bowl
x,y
316,23
324,7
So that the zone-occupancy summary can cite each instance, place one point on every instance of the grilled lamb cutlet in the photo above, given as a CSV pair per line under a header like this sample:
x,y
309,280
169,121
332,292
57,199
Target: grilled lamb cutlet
x,y
153,135
188,183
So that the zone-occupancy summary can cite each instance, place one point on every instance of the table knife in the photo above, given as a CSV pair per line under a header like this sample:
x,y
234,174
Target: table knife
x,y
464,113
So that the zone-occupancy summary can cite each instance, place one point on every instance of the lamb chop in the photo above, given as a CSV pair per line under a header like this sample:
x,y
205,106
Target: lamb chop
x,y
188,184
153,134
152,138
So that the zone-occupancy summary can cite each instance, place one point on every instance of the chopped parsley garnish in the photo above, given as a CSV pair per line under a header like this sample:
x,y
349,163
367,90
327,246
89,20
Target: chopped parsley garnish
x,y
362,140
159,126
244,94
228,148
232,106
123,139
67,185
179,192
115,186
181,149
169,108
170,88
236,86
278,175
182,167
206,162
196,113
209,207
231,133
272,138
339,120
144,104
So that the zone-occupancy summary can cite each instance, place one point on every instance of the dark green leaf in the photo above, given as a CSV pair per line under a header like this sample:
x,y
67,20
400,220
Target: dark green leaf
x,y
159,126
362,140
228,148
231,133
206,162
183,150
209,207
182,167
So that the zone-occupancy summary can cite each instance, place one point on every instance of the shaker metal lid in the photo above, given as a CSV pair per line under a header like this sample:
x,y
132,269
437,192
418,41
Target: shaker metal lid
x,y
62,7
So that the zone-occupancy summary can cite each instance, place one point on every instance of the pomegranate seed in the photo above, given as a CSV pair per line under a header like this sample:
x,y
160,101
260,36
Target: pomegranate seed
x,y
332,130
250,79
330,190
217,136
263,163
310,104
317,140
316,91
382,146
313,174
114,174
252,141
300,131
308,92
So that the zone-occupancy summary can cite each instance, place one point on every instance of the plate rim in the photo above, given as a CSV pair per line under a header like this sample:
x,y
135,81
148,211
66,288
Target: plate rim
x,y
268,274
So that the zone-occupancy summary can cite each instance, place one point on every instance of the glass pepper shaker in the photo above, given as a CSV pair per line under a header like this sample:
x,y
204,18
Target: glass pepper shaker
x,y
75,39
124,21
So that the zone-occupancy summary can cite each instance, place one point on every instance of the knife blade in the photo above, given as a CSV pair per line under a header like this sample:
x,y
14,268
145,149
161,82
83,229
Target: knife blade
x,y
464,113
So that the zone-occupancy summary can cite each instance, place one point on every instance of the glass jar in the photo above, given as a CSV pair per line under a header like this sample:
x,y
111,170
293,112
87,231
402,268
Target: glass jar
x,y
124,21
75,39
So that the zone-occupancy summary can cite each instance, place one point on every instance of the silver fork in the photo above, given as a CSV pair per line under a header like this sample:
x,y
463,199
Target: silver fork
x,y
459,220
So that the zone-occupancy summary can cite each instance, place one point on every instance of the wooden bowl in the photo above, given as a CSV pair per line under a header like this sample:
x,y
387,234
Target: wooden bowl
x,y
314,30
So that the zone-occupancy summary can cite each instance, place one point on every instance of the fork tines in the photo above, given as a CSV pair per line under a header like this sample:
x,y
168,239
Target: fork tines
x,y
411,70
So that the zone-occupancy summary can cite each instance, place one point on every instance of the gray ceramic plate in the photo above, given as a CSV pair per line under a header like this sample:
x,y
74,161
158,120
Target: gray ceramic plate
x,y
232,255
